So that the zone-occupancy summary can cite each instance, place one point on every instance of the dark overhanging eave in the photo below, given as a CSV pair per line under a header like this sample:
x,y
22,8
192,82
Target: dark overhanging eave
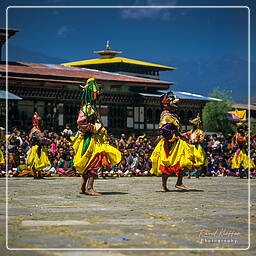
x,y
123,64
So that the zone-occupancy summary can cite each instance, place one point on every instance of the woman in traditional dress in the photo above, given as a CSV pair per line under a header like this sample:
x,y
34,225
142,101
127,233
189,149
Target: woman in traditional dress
x,y
240,160
92,150
37,158
172,154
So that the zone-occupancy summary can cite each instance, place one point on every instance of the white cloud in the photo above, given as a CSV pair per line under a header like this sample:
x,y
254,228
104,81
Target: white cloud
x,y
62,31
150,13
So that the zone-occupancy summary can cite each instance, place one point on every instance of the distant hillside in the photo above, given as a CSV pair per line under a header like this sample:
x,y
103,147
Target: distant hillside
x,y
201,76
198,76
17,53
244,100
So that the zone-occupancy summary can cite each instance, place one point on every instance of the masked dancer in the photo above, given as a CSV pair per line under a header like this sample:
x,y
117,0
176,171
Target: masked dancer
x,y
196,137
240,160
2,153
92,150
172,154
37,158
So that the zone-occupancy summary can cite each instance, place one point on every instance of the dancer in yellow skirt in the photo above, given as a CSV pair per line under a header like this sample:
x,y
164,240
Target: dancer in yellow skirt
x,y
37,157
172,154
92,150
240,159
2,155
2,159
196,137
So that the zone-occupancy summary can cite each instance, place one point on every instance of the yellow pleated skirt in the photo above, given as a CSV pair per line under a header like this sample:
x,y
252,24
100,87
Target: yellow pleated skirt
x,y
179,157
200,158
2,159
241,160
36,162
96,146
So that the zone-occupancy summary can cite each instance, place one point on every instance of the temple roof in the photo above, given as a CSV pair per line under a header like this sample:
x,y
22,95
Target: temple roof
x,y
117,60
183,95
11,32
9,95
74,75
243,106
108,56
193,96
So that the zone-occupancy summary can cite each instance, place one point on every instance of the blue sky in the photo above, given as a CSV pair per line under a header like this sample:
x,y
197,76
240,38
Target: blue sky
x,y
167,32
159,34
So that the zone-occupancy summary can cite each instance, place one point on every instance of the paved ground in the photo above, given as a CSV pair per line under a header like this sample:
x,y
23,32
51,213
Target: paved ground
x,y
131,213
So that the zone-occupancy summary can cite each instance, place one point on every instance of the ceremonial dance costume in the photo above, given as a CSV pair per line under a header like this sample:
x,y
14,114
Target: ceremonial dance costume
x,y
172,154
37,156
2,157
2,160
240,159
92,150
196,138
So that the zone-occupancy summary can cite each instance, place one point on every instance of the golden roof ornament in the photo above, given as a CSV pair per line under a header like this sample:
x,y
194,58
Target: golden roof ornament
x,y
107,46
107,53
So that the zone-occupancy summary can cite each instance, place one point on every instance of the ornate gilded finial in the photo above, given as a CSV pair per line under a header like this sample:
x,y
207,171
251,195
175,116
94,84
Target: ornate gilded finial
x,y
107,46
107,53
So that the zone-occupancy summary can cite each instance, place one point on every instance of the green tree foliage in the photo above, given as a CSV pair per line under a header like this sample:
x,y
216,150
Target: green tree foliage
x,y
215,117
253,125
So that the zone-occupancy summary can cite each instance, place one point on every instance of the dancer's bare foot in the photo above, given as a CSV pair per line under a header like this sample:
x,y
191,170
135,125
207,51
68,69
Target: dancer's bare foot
x,y
182,187
92,192
82,189
164,189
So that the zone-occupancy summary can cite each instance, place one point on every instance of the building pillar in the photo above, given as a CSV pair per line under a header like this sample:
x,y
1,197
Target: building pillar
x,y
130,117
142,118
103,111
60,114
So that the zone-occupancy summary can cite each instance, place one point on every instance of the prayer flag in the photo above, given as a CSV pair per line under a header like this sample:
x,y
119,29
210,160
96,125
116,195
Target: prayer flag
x,y
238,114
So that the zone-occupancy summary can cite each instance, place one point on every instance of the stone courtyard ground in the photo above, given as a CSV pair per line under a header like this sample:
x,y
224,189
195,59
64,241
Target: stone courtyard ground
x,y
132,213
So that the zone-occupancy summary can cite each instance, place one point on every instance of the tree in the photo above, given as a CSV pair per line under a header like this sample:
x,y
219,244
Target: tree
x,y
215,116
253,125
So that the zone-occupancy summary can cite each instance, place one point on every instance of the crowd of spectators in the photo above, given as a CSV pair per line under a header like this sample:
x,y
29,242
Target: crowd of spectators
x,y
136,152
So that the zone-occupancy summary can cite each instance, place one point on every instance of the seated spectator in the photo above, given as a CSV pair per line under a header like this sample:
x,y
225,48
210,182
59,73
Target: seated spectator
x,y
132,160
146,165
65,166
137,170
122,168
214,169
22,169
